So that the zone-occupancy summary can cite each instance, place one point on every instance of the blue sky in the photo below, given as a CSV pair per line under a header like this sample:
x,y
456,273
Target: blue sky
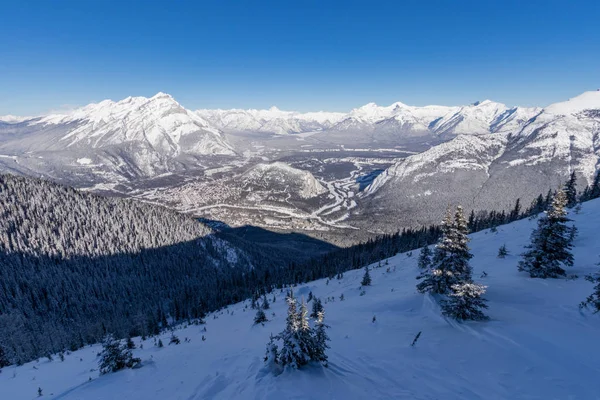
x,y
304,55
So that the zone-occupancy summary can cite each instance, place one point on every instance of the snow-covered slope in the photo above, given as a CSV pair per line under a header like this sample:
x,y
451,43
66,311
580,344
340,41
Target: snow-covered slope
x,y
530,152
279,174
272,120
537,345
159,122
404,120
122,141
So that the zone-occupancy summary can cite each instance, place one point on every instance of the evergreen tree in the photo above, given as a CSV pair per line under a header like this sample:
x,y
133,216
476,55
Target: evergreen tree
x,y
115,356
551,243
502,251
366,280
424,258
292,353
465,302
321,338
593,300
260,317
570,190
272,353
450,264
317,307
305,333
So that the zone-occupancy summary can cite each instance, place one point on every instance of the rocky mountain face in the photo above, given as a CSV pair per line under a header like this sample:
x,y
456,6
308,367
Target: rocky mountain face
x,y
110,141
489,171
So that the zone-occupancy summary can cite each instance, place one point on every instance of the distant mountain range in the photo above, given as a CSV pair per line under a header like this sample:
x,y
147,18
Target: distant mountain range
x,y
482,155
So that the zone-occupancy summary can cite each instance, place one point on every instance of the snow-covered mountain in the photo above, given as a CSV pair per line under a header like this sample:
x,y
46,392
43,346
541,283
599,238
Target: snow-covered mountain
x,y
536,345
480,117
484,171
272,120
118,141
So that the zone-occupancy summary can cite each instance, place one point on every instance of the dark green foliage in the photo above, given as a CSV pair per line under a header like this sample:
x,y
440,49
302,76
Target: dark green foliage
x,y
465,302
551,243
570,190
450,264
502,251
425,258
593,300
115,356
260,317
366,279
174,339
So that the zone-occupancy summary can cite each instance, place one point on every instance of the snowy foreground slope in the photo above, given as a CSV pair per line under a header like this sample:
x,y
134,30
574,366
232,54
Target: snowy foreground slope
x,y
537,345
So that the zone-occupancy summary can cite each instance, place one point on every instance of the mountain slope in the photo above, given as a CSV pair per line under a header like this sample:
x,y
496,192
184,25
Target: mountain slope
x,y
74,265
490,171
131,139
526,351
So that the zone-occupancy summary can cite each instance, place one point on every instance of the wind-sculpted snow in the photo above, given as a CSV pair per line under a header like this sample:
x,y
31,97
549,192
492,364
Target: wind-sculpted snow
x,y
536,345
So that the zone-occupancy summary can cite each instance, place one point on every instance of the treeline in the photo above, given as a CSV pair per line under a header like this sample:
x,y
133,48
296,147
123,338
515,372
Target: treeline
x,y
75,266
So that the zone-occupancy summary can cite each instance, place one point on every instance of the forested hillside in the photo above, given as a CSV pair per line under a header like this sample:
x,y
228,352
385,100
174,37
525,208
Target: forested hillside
x,y
74,266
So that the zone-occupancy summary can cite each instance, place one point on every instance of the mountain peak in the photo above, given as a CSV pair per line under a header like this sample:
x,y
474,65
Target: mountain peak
x,y
162,95
586,101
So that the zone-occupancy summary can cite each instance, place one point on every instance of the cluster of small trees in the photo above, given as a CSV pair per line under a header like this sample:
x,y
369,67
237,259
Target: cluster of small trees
x,y
447,274
300,342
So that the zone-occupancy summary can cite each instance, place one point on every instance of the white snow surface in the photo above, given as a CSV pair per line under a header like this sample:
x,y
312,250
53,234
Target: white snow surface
x,y
537,345
585,101
159,121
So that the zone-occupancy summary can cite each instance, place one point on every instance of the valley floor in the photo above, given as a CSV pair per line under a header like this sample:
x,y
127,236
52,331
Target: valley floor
x,y
537,345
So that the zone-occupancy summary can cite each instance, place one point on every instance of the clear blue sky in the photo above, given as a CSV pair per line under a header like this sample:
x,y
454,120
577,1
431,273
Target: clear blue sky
x,y
304,55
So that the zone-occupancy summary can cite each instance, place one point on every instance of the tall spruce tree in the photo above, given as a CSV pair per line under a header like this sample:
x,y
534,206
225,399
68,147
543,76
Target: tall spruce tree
x,y
321,338
293,351
570,190
366,280
465,302
551,242
450,264
424,258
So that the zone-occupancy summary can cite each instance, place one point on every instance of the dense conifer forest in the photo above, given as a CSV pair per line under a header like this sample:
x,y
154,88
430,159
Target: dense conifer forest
x,y
76,266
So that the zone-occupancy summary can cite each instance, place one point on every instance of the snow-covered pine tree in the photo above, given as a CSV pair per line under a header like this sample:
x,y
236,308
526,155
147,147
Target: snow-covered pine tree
x,y
424,258
465,302
551,242
450,264
366,280
291,353
260,317
317,306
593,300
305,334
320,339
272,353
115,356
